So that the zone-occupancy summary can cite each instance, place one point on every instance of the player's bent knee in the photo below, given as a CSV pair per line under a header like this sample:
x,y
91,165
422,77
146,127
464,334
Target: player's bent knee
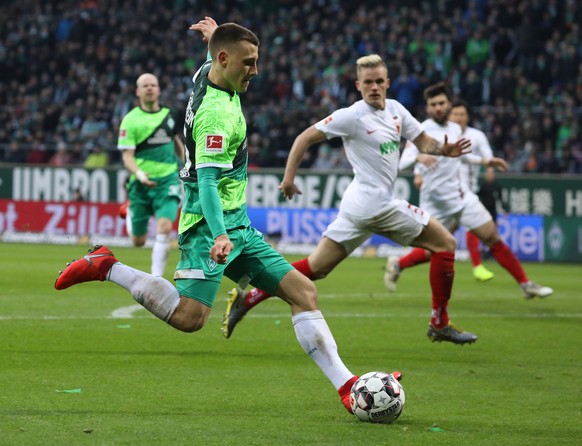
x,y
190,316
139,242
450,243
187,325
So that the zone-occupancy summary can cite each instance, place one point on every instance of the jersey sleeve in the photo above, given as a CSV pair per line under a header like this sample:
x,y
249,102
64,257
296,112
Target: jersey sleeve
x,y
340,123
411,128
483,149
127,137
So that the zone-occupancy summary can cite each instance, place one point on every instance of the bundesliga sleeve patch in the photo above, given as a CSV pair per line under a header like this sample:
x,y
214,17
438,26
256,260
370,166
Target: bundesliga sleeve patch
x,y
214,144
122,133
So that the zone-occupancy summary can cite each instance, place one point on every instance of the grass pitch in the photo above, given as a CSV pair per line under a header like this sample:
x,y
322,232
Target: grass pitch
x,y
72,374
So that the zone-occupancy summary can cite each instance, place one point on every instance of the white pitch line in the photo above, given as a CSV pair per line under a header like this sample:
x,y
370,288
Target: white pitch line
x,y
328,315
126,312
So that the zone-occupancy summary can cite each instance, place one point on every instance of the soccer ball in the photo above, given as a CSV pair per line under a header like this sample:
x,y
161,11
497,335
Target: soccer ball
x,y
377,397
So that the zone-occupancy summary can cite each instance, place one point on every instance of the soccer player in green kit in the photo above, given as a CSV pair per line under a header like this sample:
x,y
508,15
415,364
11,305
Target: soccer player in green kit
x,y
216,238
150,147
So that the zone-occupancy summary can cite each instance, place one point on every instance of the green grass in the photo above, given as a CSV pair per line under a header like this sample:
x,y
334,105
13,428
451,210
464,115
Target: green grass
x,y
144,383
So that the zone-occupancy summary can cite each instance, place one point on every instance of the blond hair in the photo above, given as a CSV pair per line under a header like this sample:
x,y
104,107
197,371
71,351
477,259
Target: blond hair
x,y
370,61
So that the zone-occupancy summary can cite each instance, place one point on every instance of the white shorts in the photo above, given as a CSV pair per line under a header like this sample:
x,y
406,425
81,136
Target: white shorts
x,y
472,215
400,221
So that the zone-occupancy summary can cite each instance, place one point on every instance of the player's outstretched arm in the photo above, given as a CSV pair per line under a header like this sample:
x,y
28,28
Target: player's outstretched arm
x,y
305,139
498,163
427,144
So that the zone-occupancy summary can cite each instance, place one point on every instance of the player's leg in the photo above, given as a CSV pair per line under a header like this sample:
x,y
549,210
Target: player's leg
x,y
268,270
155,294
340,238
326,256
438,239
137,221
161,248
395,265
489,235
402,222
480,272
166,200
314,334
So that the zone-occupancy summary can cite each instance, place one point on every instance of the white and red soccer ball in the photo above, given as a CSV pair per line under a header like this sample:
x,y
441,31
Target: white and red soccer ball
x,y
377,397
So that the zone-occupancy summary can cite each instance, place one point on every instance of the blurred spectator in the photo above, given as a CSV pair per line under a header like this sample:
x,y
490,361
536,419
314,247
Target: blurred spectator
x,y
67,68
96,158
61,157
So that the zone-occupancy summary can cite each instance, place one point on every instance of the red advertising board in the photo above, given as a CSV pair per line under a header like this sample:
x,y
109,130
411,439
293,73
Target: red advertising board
x,y
62,218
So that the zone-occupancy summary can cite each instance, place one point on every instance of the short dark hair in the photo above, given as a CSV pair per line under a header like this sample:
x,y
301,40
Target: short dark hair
x,y
229,33
461,103
435,90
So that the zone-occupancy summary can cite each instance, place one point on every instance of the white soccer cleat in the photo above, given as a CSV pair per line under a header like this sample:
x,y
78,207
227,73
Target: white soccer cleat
x,y
392,273
531,289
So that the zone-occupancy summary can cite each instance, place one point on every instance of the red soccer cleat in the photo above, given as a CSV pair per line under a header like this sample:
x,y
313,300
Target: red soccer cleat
x,y
93,266
344,392
397,375
123,209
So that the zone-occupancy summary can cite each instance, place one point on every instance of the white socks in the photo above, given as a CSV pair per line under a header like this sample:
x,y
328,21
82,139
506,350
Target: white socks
x,y
160,253
155,294
316,339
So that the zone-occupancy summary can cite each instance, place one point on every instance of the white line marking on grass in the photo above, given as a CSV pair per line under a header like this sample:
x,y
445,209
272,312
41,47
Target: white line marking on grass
x,y
328,314
126,312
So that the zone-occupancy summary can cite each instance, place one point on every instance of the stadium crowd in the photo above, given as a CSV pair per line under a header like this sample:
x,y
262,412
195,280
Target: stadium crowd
x,y
68,70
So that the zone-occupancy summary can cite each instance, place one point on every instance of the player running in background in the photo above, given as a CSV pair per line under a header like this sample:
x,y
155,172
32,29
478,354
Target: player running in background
x,y
216,237
449,199
371,130
481,152
151,146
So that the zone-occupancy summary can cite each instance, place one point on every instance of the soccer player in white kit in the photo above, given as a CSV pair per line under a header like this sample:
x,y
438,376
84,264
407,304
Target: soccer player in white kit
x,y
471,166
371,130
448,198
481,152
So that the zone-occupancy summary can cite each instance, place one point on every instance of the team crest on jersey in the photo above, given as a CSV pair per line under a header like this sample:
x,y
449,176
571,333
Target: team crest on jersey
x,y
122,133
214,144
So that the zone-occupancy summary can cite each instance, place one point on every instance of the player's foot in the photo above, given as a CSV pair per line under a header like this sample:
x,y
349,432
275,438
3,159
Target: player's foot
x,y
93,266
531,289
397,375
450,333
392,273
123,209
482,274
344,392
235,311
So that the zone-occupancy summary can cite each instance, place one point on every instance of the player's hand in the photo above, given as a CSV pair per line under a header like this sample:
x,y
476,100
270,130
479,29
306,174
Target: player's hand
x,y
288,189
498,163
206,26
461,147
144,179
221,249
427,160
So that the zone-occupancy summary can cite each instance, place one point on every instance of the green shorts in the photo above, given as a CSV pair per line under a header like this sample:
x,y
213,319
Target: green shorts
x,y
198,276
162,201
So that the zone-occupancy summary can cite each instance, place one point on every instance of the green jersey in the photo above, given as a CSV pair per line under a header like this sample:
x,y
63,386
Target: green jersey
x,y
151,135
215,134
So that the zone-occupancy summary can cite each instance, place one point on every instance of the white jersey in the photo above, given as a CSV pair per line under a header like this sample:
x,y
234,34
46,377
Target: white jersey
x,y
443,190
371,139
480,150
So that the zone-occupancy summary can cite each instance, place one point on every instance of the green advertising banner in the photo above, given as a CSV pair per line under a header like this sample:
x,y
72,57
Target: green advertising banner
x,y
562,239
